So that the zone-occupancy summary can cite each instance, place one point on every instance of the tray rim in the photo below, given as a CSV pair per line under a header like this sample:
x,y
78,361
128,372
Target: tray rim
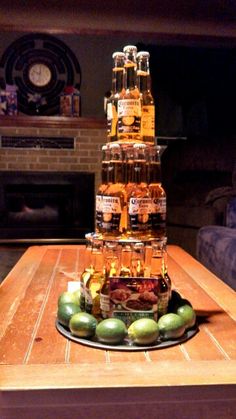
x,y
126,347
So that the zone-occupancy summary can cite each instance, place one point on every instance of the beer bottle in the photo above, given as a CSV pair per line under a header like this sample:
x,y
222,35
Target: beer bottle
x,y
87,270
102,187
165,266
117,86
111,263
137,260
125,260
139,202
147,101
157,272
95,280
157,193
129,102
114,201
129,167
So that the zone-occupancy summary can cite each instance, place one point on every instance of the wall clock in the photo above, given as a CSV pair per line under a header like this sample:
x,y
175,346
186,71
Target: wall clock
x,y
39,74
41,66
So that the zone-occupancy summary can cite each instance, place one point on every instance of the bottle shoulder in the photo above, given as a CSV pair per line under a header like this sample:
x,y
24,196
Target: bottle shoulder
x,y
139,190
157,190
130,93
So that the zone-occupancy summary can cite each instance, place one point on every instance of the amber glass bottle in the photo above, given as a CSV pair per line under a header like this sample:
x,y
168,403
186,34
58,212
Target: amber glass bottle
x,y
147,100
157,194
114,218
137,264
102,187
112,268
87,270
125,260
129,102
95,280
157,272
117,87
139,202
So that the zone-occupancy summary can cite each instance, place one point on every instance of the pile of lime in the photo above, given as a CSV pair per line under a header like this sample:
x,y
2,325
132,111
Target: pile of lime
x,y
113,331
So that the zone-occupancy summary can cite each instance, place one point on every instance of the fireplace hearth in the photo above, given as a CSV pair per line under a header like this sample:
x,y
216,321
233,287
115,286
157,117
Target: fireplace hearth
x,y
46,205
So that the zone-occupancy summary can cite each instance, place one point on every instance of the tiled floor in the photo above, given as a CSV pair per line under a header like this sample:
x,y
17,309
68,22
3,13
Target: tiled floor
x,y
8,258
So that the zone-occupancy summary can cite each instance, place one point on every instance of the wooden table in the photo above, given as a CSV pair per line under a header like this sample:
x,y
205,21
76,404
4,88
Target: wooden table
x,y
44,375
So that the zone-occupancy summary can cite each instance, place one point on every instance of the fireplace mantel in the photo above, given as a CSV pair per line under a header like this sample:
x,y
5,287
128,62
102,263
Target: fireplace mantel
x,y
58,122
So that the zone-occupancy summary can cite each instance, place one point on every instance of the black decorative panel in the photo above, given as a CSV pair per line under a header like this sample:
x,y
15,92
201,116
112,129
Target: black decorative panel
x,y
40,66
37,142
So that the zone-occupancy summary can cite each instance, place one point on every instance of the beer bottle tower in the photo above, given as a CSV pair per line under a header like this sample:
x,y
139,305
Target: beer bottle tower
x,y
130,219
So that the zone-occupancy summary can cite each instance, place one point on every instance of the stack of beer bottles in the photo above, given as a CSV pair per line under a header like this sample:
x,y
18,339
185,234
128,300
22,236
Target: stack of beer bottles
x,y
125,273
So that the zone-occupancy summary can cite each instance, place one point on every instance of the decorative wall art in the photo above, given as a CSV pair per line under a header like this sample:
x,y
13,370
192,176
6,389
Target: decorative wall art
x,y
41,66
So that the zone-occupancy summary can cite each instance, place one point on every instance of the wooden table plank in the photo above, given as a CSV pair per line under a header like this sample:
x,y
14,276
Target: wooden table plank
x,y
117,374
13,289
20,332
42,348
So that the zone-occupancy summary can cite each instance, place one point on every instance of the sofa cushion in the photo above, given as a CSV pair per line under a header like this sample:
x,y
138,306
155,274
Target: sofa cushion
x,y
231,213
216,249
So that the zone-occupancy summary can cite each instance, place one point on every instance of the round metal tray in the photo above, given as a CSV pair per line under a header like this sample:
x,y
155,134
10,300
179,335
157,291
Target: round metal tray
x,y
126,345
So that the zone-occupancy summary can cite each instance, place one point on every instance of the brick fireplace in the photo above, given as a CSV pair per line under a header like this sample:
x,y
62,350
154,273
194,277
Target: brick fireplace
x,y
46,192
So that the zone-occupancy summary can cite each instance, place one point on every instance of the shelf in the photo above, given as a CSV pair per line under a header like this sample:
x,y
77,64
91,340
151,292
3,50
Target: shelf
x,y
58,122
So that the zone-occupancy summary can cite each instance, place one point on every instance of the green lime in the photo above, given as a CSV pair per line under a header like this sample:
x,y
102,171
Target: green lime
x,y
66,311
171,326
111,331
67,297
188,315
83,325
143,331
76,295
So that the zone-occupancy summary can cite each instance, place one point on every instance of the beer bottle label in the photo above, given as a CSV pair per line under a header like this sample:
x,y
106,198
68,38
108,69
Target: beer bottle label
x,y
109,118
139,213
148,121
159,205
98,218
158,214
129,116
111,213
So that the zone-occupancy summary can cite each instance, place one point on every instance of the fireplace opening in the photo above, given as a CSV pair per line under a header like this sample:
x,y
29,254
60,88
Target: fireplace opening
x,y
46,205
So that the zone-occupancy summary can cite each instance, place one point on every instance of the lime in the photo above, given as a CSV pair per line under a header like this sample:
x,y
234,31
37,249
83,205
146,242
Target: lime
x,y
83,325
143,331
171,326
67,297
76,295
111,331
188,315
66,311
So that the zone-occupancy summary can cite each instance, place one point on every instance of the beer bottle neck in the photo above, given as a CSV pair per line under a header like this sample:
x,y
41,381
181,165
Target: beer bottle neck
x,y
116,172
140,171
130,76
117,79
154,175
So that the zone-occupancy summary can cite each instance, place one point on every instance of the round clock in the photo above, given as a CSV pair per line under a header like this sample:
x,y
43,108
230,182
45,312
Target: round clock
x,y
39,74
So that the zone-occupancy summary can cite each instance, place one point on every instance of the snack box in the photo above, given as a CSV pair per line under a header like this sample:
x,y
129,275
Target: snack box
x,y
132,298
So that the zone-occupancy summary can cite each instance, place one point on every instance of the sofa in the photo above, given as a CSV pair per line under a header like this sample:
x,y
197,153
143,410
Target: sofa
x,y
197,177
216,245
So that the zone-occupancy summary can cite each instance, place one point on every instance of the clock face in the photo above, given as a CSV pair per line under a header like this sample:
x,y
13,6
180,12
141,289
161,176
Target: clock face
x,y
39,74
